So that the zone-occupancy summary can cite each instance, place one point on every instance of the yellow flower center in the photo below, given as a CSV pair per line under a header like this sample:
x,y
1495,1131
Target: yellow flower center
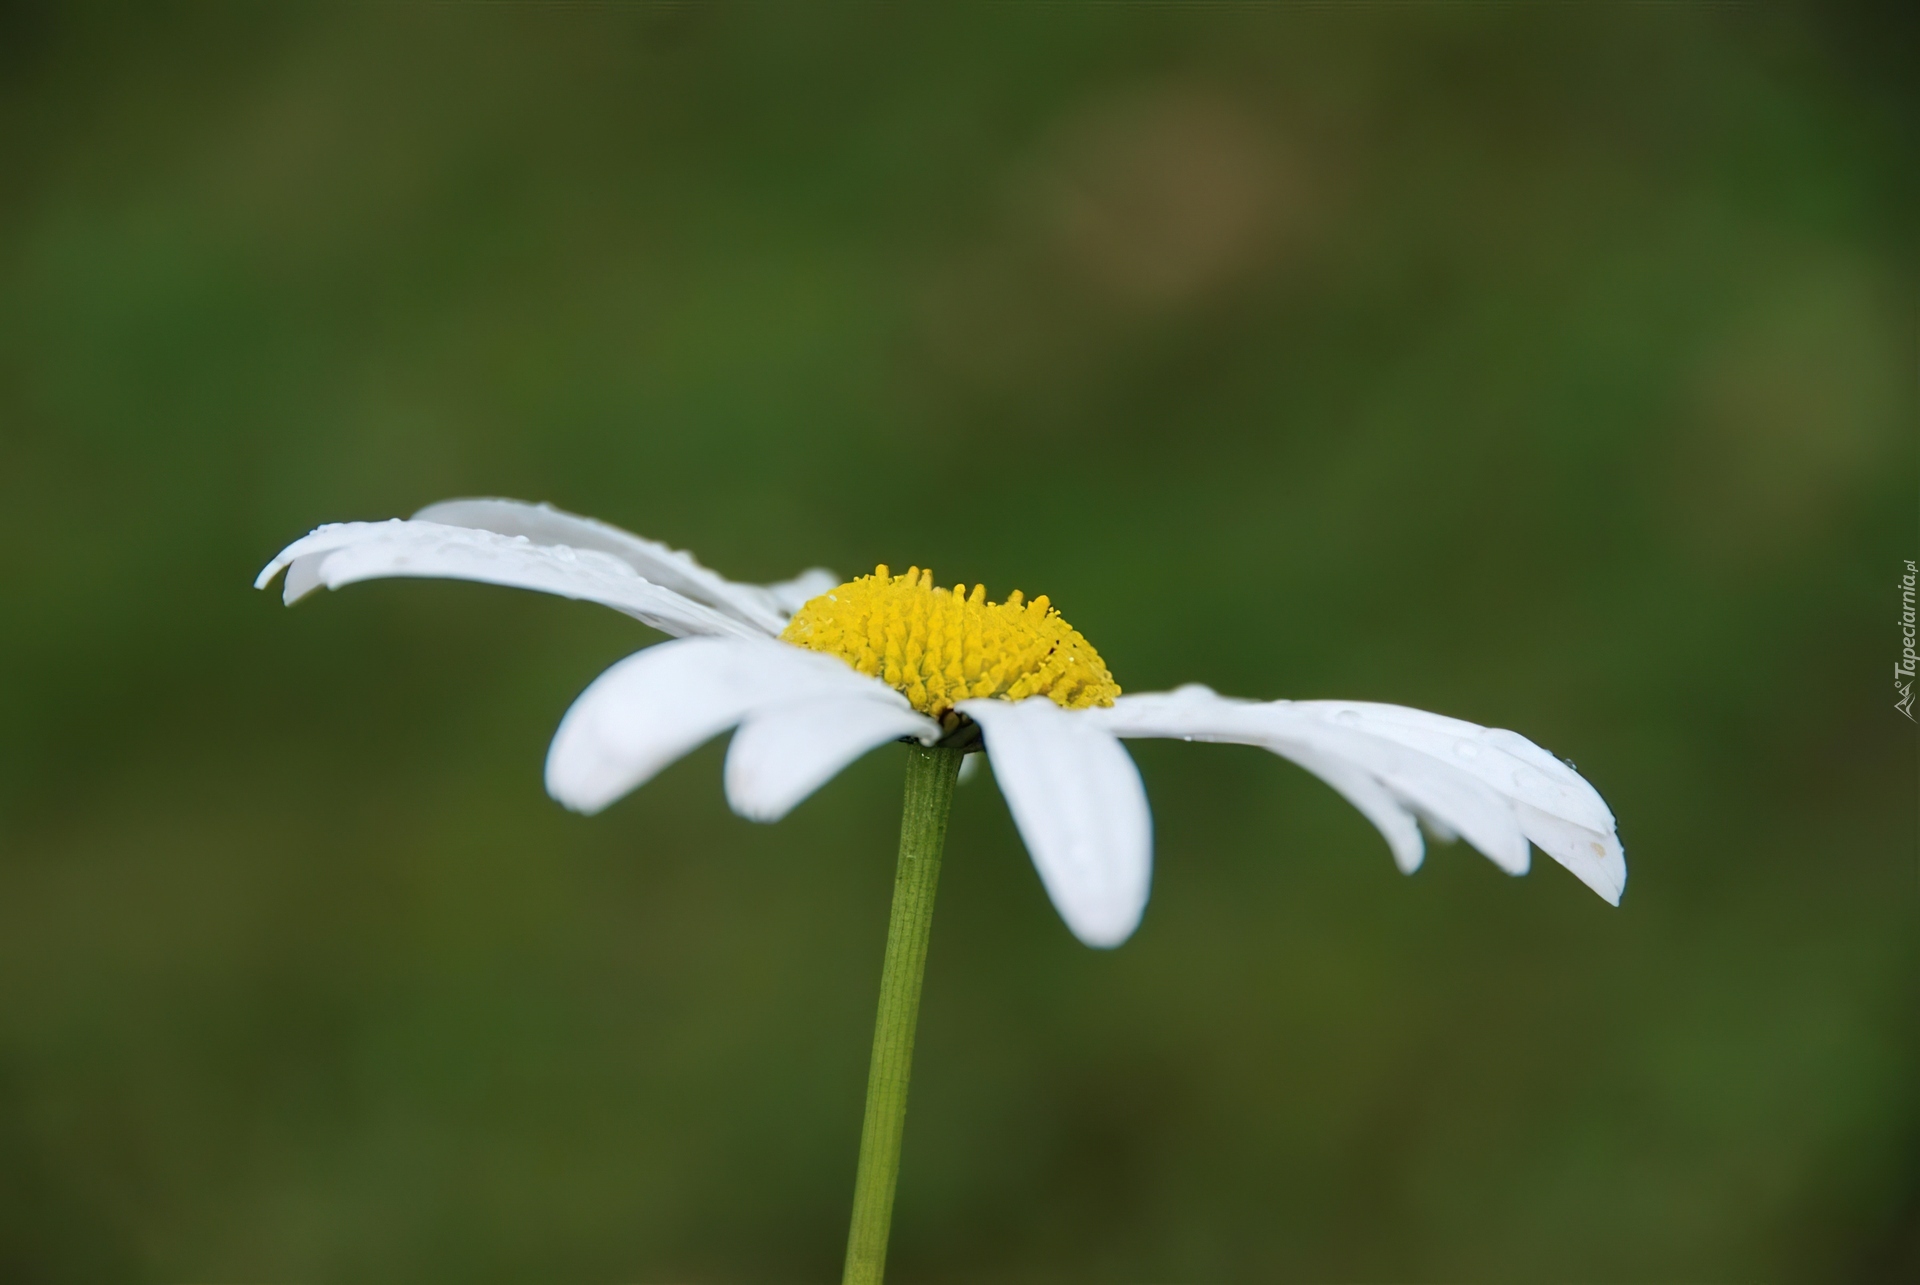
x,y
938,647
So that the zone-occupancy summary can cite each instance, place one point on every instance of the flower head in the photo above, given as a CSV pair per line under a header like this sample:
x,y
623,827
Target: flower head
x,y
812,673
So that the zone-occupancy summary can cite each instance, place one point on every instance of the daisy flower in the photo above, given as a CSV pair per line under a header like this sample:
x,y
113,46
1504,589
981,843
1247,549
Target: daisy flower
x,y
812,673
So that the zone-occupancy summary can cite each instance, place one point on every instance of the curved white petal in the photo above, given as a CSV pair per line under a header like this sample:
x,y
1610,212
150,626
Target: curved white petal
x,y
657,705
1493,787
342,553
783,753
1373,801
1077,798
1594,856
1507,761
791,595
766,607
1316,734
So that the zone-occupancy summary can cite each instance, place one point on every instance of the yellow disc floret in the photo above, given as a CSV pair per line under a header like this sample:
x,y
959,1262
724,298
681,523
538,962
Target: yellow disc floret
x,y
938,647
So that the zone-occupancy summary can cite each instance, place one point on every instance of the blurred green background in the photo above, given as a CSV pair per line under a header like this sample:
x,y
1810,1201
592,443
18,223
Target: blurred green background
x,y
1551,368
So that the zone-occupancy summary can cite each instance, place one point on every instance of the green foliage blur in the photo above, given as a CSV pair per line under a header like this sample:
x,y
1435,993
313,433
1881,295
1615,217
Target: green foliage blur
x,y
1548,367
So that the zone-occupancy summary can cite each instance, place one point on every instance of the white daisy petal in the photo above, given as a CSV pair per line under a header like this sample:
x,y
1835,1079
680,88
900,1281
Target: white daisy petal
x,y
1195,713
1313,733
1493,787
791,595
766,607
784,753
657,705
1450,801
342,553
1553,805
1373,801
1594,857
1507,761
1077,798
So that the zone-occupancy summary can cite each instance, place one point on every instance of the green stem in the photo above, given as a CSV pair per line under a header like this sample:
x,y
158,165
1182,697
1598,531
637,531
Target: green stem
x,y
923,831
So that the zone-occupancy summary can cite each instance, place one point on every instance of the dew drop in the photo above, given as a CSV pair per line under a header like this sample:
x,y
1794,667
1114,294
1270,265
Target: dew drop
x,y
1350,717
1466,749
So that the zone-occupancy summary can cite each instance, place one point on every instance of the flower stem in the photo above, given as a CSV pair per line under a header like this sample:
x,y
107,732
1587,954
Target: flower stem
x,y
923,832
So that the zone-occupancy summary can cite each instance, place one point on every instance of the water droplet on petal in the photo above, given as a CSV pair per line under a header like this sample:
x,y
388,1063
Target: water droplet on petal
x,y
1350,717
1466,749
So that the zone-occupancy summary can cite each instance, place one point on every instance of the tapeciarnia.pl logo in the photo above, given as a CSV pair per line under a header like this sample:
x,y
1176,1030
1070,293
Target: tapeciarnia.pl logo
x,y
1903,668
